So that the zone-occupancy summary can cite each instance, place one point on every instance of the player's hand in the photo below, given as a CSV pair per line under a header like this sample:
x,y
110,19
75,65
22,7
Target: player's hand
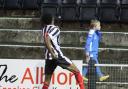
x,y
87,57
54,56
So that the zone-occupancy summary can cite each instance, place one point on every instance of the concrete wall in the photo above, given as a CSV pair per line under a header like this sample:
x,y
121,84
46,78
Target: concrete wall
x,y
67,38
105,55
70,40
33,22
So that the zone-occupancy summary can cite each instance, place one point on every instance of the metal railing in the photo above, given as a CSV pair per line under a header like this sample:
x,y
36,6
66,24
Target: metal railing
x,y
118,76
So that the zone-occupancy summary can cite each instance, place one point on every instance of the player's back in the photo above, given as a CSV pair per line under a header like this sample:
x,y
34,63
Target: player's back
x,y
53,32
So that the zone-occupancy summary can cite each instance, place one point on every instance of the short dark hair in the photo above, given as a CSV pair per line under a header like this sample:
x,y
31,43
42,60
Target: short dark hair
x,y
46,19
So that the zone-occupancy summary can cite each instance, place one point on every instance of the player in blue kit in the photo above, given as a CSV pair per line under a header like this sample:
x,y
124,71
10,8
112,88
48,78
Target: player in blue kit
x,y
91,48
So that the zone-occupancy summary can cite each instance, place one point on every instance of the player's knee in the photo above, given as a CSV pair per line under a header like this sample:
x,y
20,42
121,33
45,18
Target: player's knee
x,y
76,72
48,78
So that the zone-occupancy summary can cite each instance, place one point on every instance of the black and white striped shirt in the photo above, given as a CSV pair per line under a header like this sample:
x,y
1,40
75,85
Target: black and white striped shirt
x,y
53,32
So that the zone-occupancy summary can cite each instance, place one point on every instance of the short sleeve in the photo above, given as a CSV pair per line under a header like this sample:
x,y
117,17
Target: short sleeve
x,y
53,33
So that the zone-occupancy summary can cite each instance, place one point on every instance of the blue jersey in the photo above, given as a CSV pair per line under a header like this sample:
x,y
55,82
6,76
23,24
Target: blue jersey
x,y
92,42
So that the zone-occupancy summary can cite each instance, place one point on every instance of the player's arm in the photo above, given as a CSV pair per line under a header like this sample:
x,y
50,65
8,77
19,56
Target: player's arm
x,y
88,46
49,45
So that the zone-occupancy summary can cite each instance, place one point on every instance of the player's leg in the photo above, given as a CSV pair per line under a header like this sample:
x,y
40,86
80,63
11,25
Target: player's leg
x,y
98,70
50,66
47,81
67,64
102,77
77,74
84,73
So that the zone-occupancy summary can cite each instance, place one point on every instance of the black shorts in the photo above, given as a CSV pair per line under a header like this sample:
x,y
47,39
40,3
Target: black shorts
x,y
50,65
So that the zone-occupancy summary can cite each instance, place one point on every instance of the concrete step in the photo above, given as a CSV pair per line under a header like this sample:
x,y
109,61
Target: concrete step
x,y
28,22
106,55
15,23
19,13
67,38
33,22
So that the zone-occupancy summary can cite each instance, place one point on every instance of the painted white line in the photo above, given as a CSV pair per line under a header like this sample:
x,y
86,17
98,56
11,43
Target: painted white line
x,y
109,65
122,49
8,18
25,46
61,31
115,32
80,48
74,31
21,30
102,32
113,83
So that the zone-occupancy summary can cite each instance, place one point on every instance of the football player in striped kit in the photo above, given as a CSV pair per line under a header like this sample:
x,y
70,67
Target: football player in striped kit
x,y
53,54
